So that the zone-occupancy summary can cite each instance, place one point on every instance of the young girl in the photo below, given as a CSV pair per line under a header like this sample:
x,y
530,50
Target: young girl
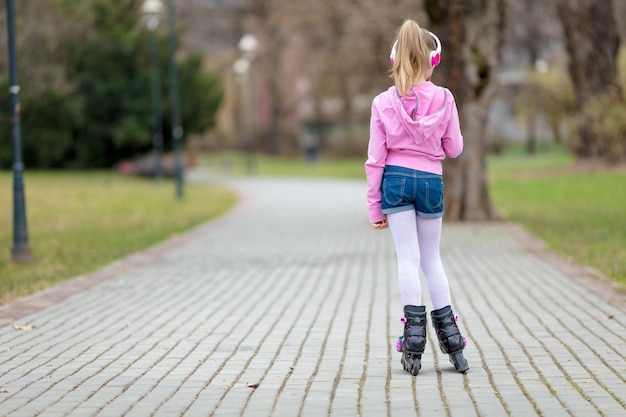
x,y
414,125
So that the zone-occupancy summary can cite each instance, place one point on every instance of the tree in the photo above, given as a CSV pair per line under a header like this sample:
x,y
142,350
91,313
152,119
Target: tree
x,y
202,93
110,82
592,42
84,72
549,93
49,107
531,35
342,49
471,33
338,50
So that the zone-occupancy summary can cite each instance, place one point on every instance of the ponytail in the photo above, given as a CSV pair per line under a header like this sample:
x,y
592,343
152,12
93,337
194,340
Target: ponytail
x,y
411,59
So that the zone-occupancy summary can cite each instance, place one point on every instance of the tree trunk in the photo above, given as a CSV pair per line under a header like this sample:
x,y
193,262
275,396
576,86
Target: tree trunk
x,y
531,136
468,70
592,43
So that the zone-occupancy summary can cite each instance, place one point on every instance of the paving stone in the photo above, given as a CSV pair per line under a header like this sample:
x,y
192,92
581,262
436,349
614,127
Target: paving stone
x,y
288,306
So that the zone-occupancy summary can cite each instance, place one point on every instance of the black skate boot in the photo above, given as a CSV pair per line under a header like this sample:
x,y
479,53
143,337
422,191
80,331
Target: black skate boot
x,y
413,342
450,339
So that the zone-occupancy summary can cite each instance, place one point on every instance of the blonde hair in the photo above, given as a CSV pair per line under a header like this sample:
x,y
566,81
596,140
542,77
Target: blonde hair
x,y
412,55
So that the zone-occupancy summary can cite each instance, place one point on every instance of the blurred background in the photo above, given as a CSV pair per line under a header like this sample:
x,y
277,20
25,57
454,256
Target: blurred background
x,y
117,90
287,77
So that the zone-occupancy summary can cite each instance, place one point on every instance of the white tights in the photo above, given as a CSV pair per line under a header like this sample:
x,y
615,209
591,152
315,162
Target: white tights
x,y
417,244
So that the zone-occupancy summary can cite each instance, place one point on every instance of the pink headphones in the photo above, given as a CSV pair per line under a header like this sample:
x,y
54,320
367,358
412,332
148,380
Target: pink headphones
x,y
434,57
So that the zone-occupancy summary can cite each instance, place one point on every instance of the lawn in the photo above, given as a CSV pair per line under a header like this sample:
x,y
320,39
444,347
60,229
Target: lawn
x,y
80,221
577,209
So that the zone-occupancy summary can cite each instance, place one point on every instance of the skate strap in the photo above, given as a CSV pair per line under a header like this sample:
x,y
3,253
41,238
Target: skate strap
x,y
449,331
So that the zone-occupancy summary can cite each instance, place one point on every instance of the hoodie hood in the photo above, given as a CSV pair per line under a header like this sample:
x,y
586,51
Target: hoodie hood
x,y
423,115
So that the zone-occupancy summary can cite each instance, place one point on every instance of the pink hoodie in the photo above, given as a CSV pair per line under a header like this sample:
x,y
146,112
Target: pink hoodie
x,y
419,142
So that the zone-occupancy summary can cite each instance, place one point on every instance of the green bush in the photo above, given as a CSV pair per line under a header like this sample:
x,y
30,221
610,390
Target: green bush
x,y
605,117
103,113
550,93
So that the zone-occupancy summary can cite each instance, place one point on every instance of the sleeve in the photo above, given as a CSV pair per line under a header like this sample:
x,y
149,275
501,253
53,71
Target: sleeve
x,y
375,165
452,139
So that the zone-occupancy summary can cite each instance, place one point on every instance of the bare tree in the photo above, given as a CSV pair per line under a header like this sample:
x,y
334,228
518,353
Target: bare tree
x,y
339,49
51,29
526,26
343,47
471,33
592,42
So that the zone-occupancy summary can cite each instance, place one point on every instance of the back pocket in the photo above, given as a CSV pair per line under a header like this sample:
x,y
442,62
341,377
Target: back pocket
x,y
434,193
393,190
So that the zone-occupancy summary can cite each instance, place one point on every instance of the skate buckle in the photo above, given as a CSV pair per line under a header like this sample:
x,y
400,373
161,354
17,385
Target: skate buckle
x,y
403,319
399,344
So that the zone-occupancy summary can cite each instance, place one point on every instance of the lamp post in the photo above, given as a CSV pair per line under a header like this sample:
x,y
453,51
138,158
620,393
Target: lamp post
x,y
152,8
241,69
177,129
20,252
248,46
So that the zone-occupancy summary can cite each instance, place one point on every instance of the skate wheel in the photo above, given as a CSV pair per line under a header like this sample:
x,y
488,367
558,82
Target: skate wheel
x,y
412,363
459,362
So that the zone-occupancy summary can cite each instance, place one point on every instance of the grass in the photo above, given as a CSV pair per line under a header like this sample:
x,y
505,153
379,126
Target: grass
x,y
80,221
576,210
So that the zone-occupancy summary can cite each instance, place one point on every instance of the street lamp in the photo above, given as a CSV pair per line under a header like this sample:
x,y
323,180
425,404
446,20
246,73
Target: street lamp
x,y
243,67
20,252
152,8
247,45
177,129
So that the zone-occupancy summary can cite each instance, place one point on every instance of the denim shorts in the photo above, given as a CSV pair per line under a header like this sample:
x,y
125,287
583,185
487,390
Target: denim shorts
x,y
407,189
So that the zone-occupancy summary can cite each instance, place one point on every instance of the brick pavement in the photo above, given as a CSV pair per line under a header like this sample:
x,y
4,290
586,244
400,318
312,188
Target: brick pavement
x,y
288,306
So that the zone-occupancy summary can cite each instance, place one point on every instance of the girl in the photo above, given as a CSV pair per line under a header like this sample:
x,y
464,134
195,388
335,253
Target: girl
x,y
413,126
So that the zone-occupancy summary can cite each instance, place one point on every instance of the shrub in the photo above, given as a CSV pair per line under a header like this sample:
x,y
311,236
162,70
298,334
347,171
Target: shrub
x,y
604,115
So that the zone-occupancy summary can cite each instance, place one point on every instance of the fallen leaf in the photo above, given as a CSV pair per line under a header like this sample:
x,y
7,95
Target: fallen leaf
x,y
253,386
25,327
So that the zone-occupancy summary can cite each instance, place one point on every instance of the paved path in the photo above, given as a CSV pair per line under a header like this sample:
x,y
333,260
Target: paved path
x,y
288,306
